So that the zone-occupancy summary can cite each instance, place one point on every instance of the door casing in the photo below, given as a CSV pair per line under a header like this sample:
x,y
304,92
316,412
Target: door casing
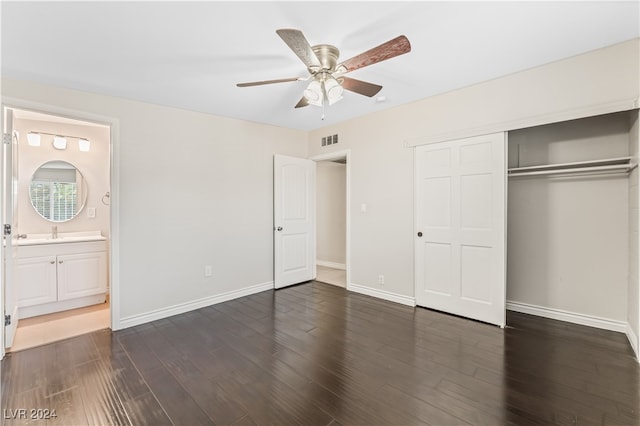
x,y
114,167
334,156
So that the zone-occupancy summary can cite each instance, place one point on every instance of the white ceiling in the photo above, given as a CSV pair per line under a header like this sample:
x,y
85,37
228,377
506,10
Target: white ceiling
x,y
190,55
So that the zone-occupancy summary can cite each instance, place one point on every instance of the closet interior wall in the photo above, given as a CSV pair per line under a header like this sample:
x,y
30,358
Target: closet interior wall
x,y
569,237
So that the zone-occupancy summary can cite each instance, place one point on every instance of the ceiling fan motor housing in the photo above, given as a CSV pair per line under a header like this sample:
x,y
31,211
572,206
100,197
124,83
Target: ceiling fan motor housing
x,y
328,57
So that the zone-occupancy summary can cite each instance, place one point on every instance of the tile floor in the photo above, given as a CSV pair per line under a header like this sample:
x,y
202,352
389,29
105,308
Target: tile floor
x,y
331,276
43,329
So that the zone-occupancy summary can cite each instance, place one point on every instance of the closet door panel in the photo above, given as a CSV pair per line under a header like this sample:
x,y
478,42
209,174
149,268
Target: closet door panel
x,y
437,213
437,268
460,227
475,212
436,217
475,274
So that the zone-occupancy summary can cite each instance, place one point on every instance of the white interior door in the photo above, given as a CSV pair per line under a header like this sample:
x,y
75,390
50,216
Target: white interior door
x,y
294,225
460,245
9,185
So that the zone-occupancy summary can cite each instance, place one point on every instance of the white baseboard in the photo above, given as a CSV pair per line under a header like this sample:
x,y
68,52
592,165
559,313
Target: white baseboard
x,y
331,264
181,308
64,305
573,317
382,294
633,339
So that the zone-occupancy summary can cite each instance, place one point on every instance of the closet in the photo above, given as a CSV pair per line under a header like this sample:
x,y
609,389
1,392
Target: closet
x,y
571,223
568,220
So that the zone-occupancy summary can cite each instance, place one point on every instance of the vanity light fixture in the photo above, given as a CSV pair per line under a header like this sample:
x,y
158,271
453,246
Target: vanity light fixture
x,y
33,139
59,142
84,145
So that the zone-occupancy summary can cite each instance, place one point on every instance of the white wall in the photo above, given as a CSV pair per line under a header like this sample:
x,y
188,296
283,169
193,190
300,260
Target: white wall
x,y
194,190
382,167
331,212
633,298
220,171
567,237
94,166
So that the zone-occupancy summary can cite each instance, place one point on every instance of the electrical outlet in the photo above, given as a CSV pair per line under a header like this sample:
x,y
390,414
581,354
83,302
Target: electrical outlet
x,y
380,279
208,271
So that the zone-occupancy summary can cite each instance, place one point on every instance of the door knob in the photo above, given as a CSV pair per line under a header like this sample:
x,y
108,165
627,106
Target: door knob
x,y
419,234
279,228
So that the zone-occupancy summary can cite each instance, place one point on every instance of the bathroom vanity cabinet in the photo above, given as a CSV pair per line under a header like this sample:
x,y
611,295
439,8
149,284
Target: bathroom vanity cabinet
x,y
60,276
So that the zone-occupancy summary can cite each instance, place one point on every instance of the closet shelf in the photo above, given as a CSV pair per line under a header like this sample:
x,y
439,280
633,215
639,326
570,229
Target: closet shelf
x,y
609,165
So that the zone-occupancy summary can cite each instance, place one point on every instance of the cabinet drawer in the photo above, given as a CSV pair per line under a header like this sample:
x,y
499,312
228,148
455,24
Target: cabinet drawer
x,y
60,248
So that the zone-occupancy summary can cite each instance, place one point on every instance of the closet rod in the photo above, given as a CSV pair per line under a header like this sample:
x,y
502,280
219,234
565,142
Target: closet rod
x,y
588,163
617,168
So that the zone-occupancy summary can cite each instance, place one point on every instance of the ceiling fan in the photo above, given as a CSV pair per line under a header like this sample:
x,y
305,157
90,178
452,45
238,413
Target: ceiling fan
x,y
326,74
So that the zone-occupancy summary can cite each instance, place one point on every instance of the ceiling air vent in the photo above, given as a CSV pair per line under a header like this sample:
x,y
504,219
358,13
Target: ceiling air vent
x,y
330,140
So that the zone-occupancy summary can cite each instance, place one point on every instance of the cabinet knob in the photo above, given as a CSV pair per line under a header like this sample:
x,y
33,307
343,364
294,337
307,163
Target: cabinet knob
x,y
52,262
59,261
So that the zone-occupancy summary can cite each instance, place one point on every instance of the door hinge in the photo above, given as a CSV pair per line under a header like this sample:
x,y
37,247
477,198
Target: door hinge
x,y
7,229
6,138
7,320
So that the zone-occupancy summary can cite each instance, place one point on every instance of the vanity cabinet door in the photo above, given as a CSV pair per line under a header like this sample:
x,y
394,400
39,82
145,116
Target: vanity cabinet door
x,y
36,280
81,275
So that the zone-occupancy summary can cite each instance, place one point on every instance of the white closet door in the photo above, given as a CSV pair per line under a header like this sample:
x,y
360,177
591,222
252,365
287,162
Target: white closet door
x,y
460,245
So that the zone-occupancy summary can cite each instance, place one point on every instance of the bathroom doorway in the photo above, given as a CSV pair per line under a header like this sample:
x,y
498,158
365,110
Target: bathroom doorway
x,y
61,237
332,242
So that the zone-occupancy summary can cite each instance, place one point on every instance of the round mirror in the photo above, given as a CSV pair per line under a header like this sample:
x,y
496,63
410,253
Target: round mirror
x,y
58,191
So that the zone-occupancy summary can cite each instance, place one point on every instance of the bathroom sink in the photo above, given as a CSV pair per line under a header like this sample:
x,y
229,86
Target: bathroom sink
x,y
66,237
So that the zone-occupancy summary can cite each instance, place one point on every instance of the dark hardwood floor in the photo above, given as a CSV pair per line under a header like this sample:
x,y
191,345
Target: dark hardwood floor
x,y
315,354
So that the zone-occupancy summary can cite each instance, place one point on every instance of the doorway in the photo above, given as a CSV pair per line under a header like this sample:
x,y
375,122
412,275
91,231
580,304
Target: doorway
x,y
332,223
61,227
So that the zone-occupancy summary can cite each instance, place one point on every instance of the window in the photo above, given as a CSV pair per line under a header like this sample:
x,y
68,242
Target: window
x,y
56,201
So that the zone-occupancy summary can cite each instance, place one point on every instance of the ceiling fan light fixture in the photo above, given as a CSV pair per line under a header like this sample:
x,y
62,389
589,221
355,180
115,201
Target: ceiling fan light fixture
x,y
333,90
313,93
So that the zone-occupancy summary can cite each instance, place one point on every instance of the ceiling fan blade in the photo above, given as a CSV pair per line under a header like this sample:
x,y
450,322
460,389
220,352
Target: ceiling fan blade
x,y
398,46
259,83
302,103
359,86
300,46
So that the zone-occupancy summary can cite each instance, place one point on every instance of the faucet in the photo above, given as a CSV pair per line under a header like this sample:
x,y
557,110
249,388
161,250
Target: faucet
x,y
54,232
